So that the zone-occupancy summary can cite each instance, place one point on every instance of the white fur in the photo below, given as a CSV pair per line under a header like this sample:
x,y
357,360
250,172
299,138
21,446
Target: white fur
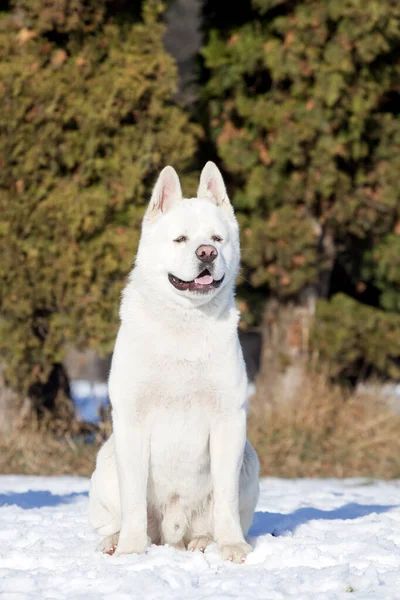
x,y
178,468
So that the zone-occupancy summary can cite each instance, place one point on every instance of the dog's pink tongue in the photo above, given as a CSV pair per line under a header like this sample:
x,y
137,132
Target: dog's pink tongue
x,y
204,280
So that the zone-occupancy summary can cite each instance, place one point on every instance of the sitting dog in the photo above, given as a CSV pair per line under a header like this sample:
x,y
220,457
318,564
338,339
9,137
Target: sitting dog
x,y
178,468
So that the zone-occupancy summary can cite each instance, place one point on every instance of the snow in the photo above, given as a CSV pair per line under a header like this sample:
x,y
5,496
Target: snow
x,y
319,539
88,398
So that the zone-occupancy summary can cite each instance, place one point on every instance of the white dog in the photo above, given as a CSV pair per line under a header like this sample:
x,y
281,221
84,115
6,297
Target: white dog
x,y
178,467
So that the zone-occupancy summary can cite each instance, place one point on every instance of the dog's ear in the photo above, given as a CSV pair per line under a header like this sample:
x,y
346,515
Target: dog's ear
x,y
212,186
166,193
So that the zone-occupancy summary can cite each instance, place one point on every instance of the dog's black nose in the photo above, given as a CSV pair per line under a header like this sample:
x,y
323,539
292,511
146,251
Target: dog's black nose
x,y
206,253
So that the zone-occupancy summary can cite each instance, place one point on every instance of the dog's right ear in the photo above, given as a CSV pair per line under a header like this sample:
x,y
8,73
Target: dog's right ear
x,y
166,193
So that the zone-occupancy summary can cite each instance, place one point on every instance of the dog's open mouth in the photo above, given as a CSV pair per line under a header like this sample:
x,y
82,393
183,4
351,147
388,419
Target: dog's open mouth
x,y
204,282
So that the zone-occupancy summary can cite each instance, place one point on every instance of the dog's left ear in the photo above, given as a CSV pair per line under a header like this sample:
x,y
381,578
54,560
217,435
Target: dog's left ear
x,y
212,186
166,193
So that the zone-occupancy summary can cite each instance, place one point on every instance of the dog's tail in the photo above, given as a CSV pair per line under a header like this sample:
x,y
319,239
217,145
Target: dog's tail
x,y
174,523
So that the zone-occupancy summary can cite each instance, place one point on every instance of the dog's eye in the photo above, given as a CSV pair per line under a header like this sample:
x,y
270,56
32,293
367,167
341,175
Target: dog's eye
x,y
216,238
180,239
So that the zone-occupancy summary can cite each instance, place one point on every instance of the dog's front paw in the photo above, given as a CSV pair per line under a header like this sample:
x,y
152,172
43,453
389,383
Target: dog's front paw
x,y
108,544
133,548
235,552
132,544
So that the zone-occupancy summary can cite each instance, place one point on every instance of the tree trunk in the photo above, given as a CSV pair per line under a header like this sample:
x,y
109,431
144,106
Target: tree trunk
x,y
286,348
286,330
182,40
47,401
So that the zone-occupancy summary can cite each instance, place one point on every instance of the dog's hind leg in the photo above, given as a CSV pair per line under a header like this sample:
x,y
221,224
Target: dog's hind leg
x,y
103,521
199,534
104,505
249,488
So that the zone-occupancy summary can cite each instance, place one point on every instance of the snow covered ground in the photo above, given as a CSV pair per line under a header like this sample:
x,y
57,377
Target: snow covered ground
x,y
322,539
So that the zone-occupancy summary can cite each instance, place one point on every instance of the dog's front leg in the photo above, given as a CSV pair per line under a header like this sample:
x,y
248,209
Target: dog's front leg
x,y
132,454
227,441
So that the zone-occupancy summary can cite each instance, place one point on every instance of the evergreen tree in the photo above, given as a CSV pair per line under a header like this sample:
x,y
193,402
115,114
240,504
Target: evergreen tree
x,y
303,107
87,120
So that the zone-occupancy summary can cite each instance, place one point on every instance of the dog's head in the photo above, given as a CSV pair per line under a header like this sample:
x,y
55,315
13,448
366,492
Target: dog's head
x,y
189,248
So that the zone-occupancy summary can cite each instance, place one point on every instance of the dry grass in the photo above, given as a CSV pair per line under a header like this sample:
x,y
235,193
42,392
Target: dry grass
x,y
35,449
325,433
39,453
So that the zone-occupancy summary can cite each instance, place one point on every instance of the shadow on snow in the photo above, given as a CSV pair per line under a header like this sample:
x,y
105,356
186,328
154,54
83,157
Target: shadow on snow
x,y
38,498
280,524
263,523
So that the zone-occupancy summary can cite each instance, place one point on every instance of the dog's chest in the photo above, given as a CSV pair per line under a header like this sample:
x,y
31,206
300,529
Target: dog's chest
x,y
177,387
180,395
181,373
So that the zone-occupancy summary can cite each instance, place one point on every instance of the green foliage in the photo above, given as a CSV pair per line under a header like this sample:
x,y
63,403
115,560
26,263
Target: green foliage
x,y
355,339
303,107
303,114
383,264
87,121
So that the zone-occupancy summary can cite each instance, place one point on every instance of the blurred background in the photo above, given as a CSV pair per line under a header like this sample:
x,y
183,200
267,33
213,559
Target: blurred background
x,y
298,103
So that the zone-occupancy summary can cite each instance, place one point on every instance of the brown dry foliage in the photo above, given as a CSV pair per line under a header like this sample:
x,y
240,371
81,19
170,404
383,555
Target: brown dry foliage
x,y
326,432
39,453
35,449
